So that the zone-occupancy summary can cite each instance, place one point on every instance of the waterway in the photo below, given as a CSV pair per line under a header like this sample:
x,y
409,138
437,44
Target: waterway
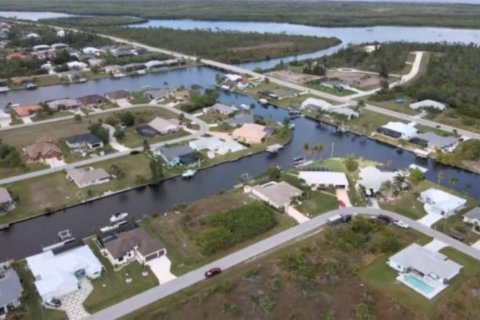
x,y
28,237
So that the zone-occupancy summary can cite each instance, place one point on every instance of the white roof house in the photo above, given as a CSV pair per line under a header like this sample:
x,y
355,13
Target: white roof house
x,y
314,104
77,65
399,129
91,50
216,145
425,271
5,116
164,126
277,194
233,77
371,178
441,202
57,275
220,108
324,179
84,177
428,104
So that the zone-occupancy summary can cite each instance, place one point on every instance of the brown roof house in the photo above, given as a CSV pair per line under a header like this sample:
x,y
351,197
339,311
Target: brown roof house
x,y
93,100
42,149
251,133
134,244
6,201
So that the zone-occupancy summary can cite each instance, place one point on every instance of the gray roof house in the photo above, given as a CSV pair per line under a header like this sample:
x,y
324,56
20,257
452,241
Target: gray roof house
x,y
220,108
10,290
277,194
241,118
117,95
62,104
92,100
88,177
434,141
86,141
157,94
6,201
179,155
472,216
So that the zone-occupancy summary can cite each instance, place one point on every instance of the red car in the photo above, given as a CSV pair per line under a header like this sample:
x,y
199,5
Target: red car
x,y
341,204
213,272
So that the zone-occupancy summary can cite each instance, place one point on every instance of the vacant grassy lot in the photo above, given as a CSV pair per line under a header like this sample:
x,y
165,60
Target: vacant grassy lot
x,y
314,203
111,287
133,139
178,229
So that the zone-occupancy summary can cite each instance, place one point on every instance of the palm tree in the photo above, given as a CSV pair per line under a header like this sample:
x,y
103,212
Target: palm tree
x,y
468,188
440,177
306,149
453,181
398,182
317,148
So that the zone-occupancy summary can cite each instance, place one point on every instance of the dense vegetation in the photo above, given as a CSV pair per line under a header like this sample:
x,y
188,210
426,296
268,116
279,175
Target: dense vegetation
x,y
466,151
199,100
95,21
111,59
226,46
234,226
324,13
9,156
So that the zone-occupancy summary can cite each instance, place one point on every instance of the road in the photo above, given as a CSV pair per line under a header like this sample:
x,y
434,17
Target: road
x,y
244,255
203,130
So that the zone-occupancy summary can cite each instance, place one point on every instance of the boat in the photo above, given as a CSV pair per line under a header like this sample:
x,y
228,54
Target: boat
x,y
113,226
119,216
119,75
4,226
298,160
291,126
245,106
31,86
141,72
274,148
4,89
82,80
65,238
263,101
189,174
293,112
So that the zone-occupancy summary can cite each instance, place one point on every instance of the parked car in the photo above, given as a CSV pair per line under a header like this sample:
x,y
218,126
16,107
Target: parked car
x,y
457,236
385,218
341,204
401,224
55,303
346,218
133,152
213,272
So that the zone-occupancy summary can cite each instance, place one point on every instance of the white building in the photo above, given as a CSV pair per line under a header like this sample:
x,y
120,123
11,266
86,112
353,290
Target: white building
x,y
372,179
88,177
164,126
77,65
233,77
5,118
57,275
216,145
324,179
91,50
277,194
315,105
425,271
441,202
399,130
428,104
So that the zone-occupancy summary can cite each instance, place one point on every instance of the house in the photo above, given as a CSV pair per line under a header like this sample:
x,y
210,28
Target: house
x,y
86,141
93,100
182,96
324,179
62,104
399,130
59,274
232,77
428,104
154,64
42,149
114,69
44,54
133,67
140,51
117,95
59,46
472,216
27,110
425,271
441,202
216,145
372,179
41,47
157,94
32,36
130,245
91,51
220,109
251,133
179,155
70,76
5,117
319,105
434,142
60,33
6,201
280,93
241,118
165,126
77,65
88,177
277,194
11,290
146,131
18,81
95,62
16,55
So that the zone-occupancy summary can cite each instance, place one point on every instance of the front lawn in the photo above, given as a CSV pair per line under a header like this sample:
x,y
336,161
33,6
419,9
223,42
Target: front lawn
x,y
314,203
134,139
112,287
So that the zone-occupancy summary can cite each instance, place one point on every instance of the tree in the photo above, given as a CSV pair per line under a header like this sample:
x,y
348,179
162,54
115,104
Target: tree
x,y
384,86
362,312
127,119
274,172
453,181
156,170
77,118
416,176
383,72
318,148
350,163
306,150
98,130
440,177
146,146
119,135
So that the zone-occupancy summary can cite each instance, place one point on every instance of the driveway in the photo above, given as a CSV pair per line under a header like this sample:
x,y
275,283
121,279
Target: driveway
x,y
430,219
72,303
297,215
55,163
113,141
342,195
435,245
161,269
123,103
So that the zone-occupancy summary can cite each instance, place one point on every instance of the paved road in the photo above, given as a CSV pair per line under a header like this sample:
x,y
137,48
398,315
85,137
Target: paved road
x,y
203,130
143,299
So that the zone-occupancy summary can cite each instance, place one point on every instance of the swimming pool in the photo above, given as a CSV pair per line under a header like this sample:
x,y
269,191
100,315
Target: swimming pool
x,y
418,284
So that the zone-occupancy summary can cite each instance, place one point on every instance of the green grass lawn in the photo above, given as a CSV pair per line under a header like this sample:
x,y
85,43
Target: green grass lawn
x,y
133,139
334,91
368,122
111,287
55,115
32,307
314,203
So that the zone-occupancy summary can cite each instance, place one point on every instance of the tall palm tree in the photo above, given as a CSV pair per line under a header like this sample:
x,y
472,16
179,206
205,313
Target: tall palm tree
x,y
440,177
468,188
306,149
453,181
317,148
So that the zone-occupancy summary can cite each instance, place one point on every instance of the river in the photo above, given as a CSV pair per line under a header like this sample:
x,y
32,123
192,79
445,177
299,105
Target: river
x,y
28,237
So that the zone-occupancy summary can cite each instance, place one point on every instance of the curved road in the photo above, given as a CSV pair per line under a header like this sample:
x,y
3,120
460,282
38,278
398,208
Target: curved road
x,y
143,299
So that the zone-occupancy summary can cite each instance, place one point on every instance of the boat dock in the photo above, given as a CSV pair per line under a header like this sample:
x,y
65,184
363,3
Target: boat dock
x,y
274,148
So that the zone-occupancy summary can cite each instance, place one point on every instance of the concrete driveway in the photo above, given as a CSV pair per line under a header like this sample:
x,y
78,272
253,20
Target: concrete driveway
x,y
431,218
55,163
161,269
72,303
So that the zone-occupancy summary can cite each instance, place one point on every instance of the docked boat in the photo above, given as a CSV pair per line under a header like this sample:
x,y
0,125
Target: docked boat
x,y
119,216
263,101
245,107
113,226
82,80
298,160
291,126
119,75
31,86
65,238
189,174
